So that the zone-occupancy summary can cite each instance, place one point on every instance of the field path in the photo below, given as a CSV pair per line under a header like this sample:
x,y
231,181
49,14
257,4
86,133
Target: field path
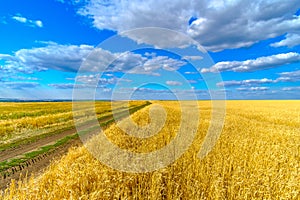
x,y
22,149
38,163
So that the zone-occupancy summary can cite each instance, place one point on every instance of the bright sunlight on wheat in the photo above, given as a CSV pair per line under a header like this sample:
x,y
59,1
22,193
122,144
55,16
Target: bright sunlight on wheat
x,y
256,157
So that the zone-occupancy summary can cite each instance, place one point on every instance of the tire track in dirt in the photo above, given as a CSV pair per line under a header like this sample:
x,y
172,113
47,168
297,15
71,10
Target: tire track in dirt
x,y
10,153
37,164
20,150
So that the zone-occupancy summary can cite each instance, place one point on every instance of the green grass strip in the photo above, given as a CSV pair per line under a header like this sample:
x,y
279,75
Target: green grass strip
x,y
45,149
35,138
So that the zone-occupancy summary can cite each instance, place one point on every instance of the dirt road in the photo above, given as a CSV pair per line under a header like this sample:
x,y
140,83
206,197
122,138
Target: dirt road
x,y
38,164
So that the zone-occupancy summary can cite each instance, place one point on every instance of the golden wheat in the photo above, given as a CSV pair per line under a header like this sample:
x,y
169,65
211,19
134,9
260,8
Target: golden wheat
x,y
23,120
256,157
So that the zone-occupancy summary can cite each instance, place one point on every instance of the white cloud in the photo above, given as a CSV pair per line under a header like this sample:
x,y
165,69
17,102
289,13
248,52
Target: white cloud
x,y
20,19
20,85
71,57
219,24
63,85
192,81
22,78
137,64
95,80
125,15
149,93
52,56
73,85
291,89
164,62
106,89
88,79
5,56
66,86
109,75
29,22
292,76
39,23
254,65
191,72
253,89
244,82
193,57
291,40
129,62
161,38
173,83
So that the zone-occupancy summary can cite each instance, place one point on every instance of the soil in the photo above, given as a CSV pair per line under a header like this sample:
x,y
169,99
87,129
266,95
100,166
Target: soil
x,y
20,150
38,164
24,148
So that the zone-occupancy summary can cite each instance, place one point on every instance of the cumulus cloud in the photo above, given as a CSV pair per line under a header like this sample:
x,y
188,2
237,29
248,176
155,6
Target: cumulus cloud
x,y
291,40
218,24
29,22
254,65
173,83
52,56
163,62
91,59
95,80
161,38
130,62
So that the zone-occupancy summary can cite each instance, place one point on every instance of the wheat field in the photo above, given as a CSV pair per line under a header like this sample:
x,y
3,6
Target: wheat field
x,y
256,157
19,121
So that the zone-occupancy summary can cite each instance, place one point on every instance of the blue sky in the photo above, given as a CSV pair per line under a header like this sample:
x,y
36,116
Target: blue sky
x,y
199,49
